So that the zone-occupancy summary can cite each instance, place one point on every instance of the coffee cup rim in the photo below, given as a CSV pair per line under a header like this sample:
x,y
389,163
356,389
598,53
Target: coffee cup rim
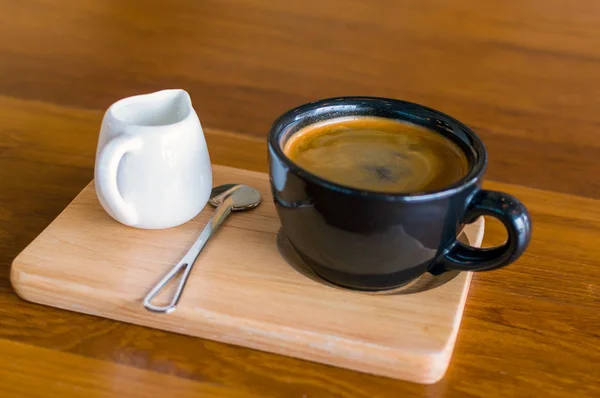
x,y
403,110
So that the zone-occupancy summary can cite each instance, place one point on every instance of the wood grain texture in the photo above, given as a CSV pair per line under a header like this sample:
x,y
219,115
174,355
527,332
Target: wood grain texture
x,y
33,372
524,74
241,291
517,71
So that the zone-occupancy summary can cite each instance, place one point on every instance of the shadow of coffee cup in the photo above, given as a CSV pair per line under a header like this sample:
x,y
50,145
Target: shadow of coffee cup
x,y
374,241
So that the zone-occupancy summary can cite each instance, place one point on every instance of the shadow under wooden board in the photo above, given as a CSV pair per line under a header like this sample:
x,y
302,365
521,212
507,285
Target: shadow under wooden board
x,y
245,289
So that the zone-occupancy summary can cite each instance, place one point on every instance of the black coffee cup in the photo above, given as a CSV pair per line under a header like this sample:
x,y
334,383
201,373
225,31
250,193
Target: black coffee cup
x,y
366,240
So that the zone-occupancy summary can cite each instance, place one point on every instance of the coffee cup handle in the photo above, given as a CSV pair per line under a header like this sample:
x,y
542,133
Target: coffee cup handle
x,y
508,210
107,167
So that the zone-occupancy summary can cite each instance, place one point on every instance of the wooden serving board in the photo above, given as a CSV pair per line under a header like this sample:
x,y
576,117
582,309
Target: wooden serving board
x,y
242,290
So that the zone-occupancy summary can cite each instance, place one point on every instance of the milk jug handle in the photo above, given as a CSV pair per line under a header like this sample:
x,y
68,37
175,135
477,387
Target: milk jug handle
x,y
107,167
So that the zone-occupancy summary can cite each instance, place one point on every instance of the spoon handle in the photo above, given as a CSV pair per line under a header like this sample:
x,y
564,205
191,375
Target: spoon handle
x,y
187,262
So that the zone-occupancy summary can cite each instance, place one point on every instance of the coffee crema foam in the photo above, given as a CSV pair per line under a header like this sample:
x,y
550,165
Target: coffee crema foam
x,y
378,154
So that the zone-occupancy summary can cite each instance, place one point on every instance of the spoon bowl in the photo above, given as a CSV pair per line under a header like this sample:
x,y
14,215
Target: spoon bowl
x,y
244,197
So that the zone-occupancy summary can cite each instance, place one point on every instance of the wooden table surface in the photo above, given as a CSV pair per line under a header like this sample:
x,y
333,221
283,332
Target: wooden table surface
x,y
525,74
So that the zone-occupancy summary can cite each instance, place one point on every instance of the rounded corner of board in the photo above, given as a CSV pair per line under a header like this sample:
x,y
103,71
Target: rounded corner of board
x,y
18,279
436,369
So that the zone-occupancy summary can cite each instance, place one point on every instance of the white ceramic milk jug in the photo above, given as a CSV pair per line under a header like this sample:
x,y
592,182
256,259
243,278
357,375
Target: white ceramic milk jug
x,y
152,164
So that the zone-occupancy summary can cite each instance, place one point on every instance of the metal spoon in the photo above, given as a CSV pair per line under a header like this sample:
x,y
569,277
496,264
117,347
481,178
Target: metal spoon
x,y
226,198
